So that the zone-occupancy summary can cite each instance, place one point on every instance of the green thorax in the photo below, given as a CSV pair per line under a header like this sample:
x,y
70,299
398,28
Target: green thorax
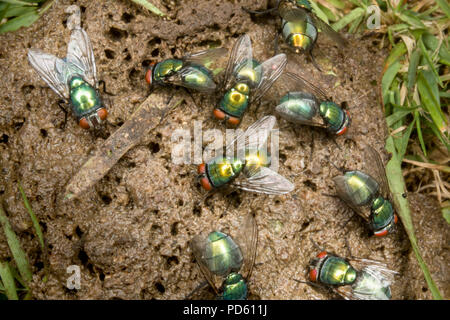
x,y
299,104
166,68
382,213
332,114
337,271
222,170
234,287
375,287
300,34
83,97
235,101
222,254
362,187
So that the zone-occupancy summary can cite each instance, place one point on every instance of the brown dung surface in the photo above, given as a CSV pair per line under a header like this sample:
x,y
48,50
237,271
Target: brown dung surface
x,y
130,232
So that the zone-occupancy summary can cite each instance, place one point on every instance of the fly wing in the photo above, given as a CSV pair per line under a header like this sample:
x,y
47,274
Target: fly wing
x,y
247,238
178,79
197,245
322,25
374,267
53,71
293,14
301,84
209,58
270,69
374,167
81,56
351,199
242,51
264,181
254,137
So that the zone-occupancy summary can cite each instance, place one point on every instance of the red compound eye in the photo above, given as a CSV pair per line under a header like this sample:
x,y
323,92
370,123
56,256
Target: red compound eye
x,y
205,184
148,76
395,218
102,113
313,275
321,255
381,233
201,168
234,121
219,114
84,123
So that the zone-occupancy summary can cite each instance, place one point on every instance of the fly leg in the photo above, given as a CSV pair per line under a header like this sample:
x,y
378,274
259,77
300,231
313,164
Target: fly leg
x,y
103,83
61,104
192,98
262,11
168,109
199,287
313,61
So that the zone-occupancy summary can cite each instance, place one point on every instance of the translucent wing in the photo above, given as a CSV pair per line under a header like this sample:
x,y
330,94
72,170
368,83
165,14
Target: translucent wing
x,y
293,14
374,266
253,138
270,69
301,84
187,71
247,238
375,167
208,58
81,56
350,198
322,25
197,245
265,181
53,71
242,51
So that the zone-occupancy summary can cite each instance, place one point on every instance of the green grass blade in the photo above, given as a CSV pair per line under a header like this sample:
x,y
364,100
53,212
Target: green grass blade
x,y
352,15
446,211
22,21
33,217
21,3
412,68
419,132
37,229
388,77
397,186
8,281
14,245
150,7
397,116
443,4
319,12
429,95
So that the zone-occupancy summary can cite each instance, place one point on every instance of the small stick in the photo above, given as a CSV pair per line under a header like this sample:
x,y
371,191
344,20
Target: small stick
x,y
144,119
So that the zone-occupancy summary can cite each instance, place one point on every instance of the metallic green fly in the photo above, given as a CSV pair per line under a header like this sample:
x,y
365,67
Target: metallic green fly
x,y
227,262
73,78
193,71
246,81
299,25
305,104
352,279
247,169
367,193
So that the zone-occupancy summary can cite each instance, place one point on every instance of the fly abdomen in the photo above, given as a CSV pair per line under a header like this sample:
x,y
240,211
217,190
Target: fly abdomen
x,y
234,287
197,76
382,216
222,254
300,35
297,106
333,115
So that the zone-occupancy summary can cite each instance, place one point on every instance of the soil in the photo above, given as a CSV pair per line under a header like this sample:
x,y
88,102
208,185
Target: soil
x,y
130,233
